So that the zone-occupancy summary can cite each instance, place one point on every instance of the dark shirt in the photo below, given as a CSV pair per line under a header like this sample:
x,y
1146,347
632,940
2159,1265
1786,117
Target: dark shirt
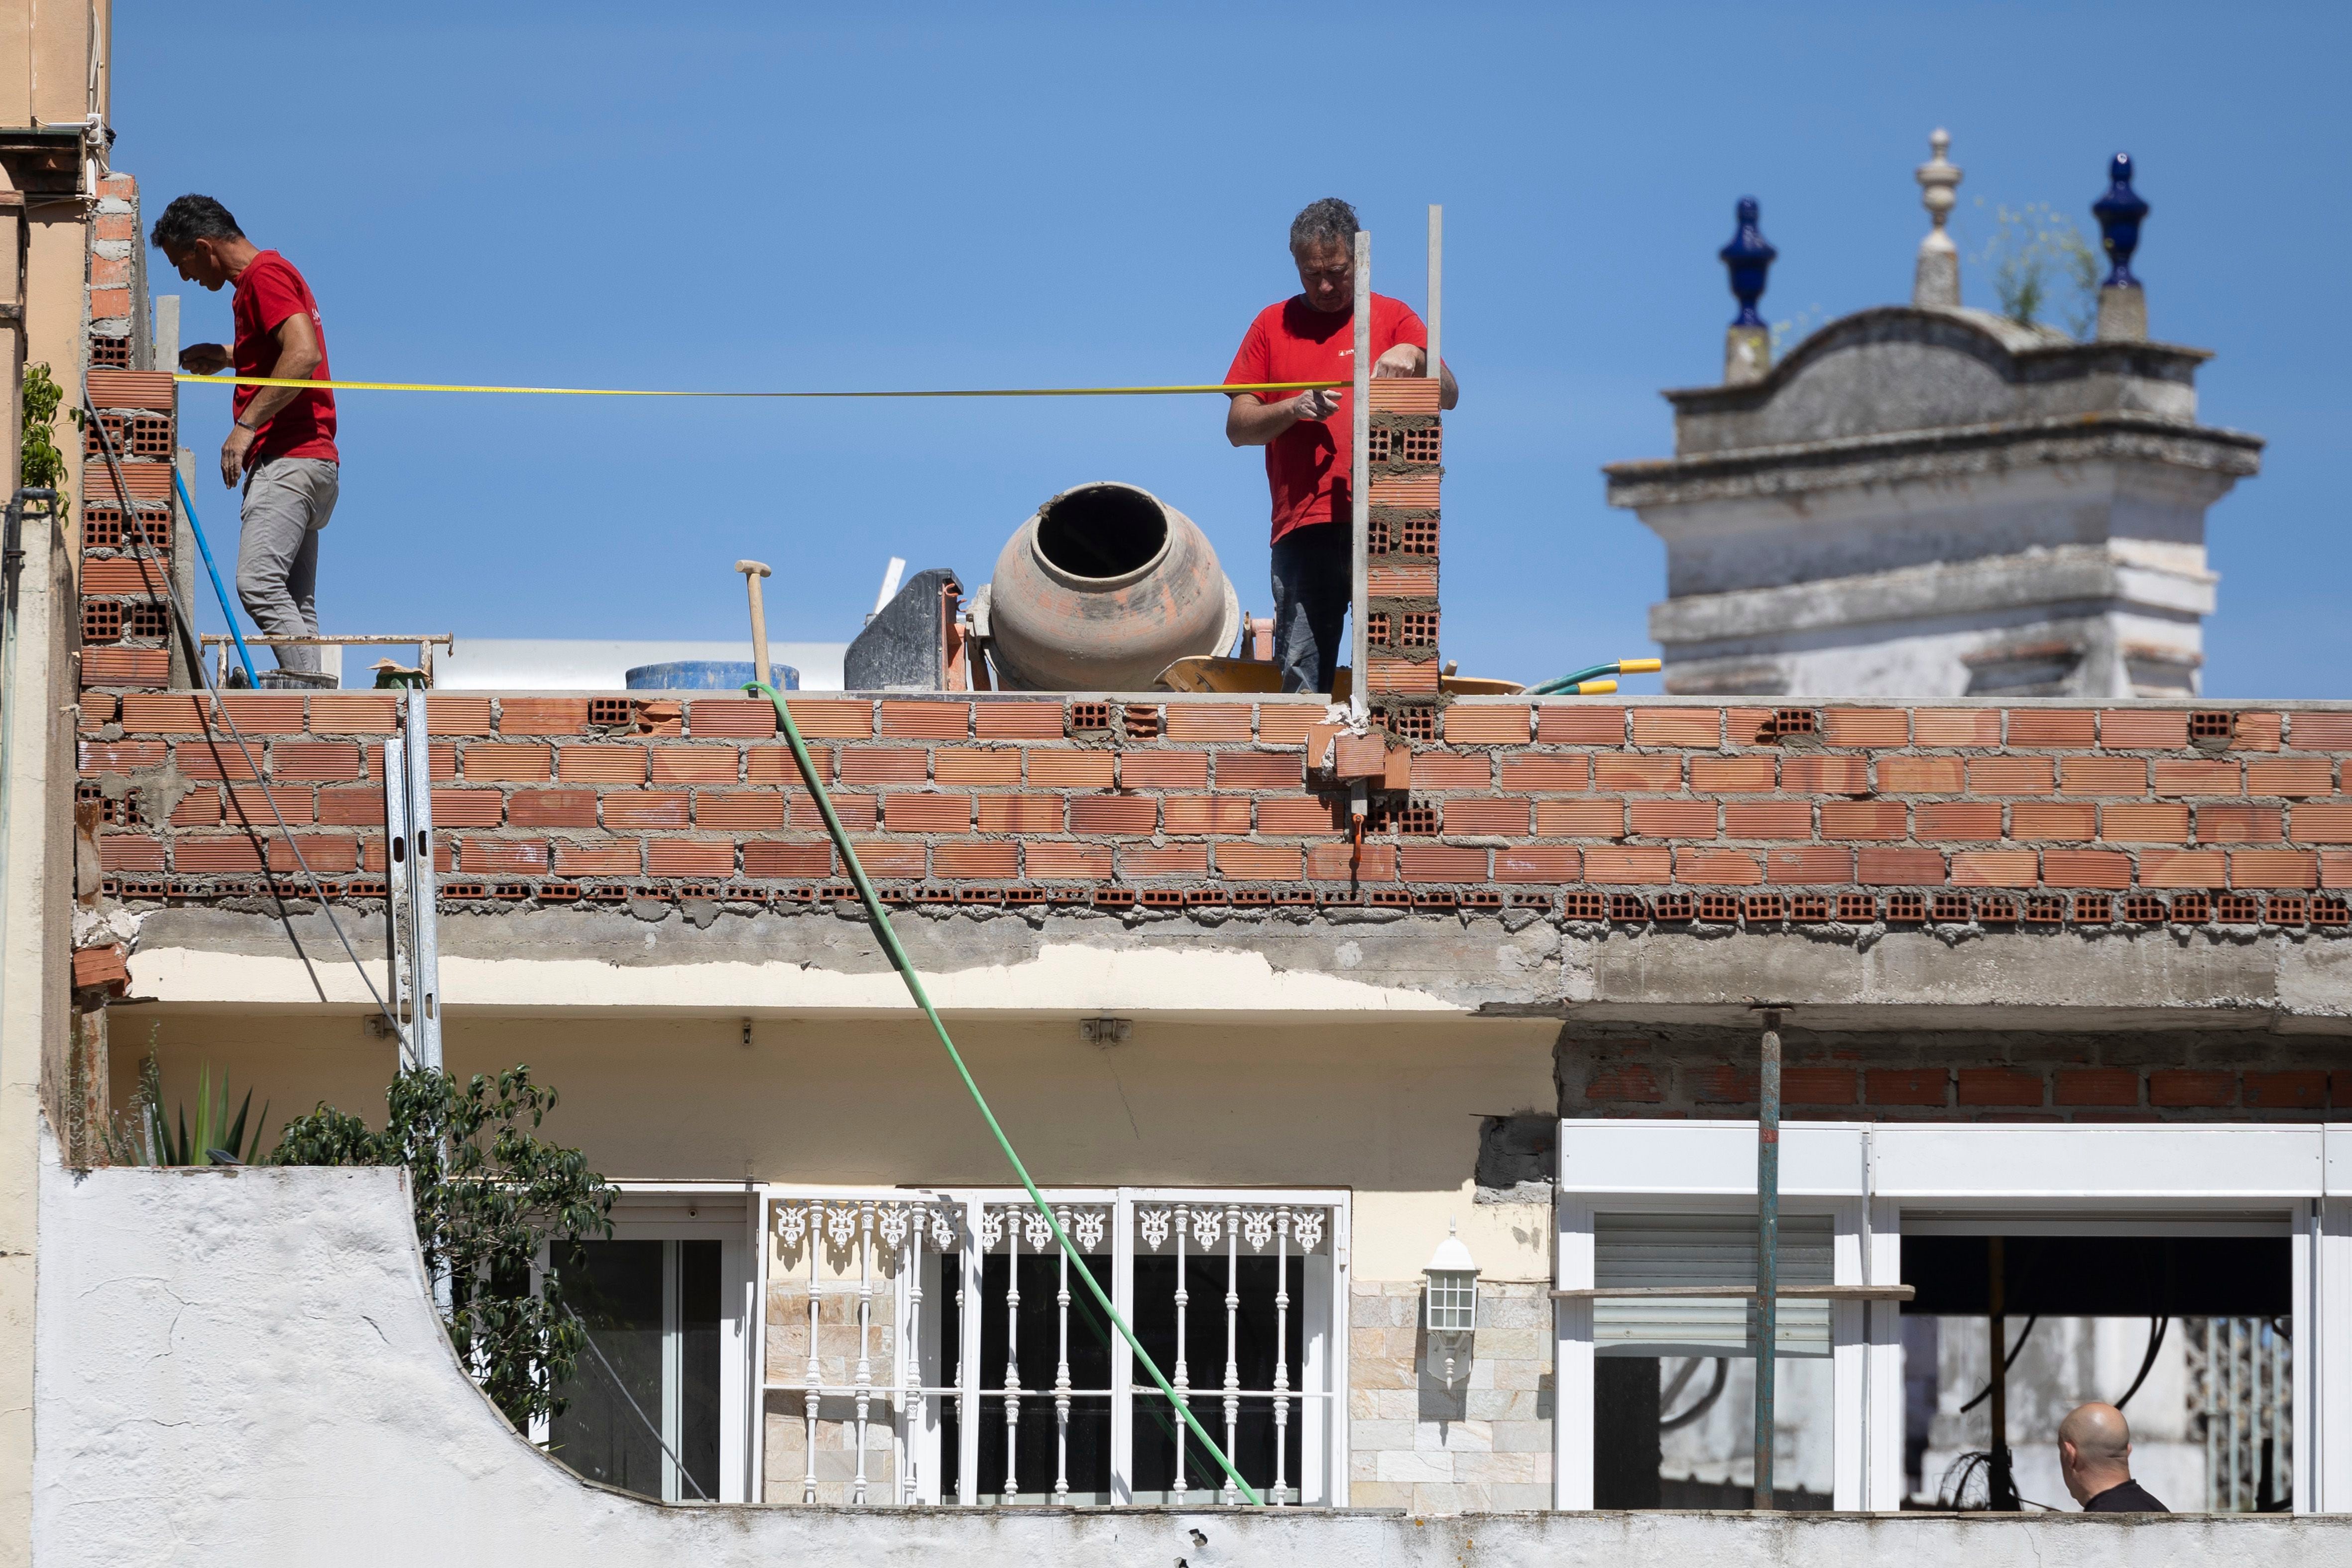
x,y
2130,1498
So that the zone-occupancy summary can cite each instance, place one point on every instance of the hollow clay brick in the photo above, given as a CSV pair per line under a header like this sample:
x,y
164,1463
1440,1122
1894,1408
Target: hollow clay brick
x,y
1671,819
1295,814
967,765
1945,821
2051,726
1059,860
770,861
2217,824
1699,726
2320,731
2289,776
2185,1088
1558,723
1026,718
1020,814
1195,814
926,720
857,812
1442,863
2299,1091
608,859
1899,867
199,855
1879,726
1612,771
1341,862
1466,814
1624,865
553,809
884,765
1863,819
1438,771
2181,868
1803,866
2274,868
363,806
1287,724
330,761
1909,1086
1127,814
1260,770
831,718
1826,774
2321,822
1995,868
1163,771
2069,821
1722,775
601,764
1485,723
153,713
2086,868
904,858
260,713
2107,1086
736,718
689,857
2012,776
490,857
774,764
446,715
451,807
1069,769
1258,862
2147,824
251,806
2177,777
1539,864
732,812
542,716
121,755
129,852
1397,580
1540,771
1921,775
355,713
989,860
2103,776
1718,868
695,764
904,814
1956,727
2143,729
207,759
498,762
1164,859
1208,721
629,810
1630,1081
2258,732
202,809
322,854
1581,819
1999,1086
1768,818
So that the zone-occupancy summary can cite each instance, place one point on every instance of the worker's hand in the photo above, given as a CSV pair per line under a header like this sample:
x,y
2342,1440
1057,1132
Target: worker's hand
x,y
1321,402
1404,360
204,359
240,441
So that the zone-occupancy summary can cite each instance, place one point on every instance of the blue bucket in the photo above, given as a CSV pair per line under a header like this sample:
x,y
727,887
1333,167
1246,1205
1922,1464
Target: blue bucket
x,y
707,675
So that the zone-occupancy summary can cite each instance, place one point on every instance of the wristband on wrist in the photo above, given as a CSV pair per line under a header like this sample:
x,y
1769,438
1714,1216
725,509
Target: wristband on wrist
x,y
242,425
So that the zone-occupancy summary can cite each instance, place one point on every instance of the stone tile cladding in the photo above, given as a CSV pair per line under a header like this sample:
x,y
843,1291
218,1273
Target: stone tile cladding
x,y
1654,818
1481,1446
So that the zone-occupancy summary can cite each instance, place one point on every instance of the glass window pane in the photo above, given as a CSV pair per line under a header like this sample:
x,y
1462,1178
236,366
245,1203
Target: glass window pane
x,y
1255,1348
1679,1432
699,1297
616,1289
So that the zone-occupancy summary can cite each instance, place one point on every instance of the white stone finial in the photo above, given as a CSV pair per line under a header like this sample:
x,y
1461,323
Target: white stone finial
x,y
1937,282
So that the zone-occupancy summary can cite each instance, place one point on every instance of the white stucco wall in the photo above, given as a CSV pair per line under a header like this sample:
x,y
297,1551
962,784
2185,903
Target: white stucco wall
x,y
241,1365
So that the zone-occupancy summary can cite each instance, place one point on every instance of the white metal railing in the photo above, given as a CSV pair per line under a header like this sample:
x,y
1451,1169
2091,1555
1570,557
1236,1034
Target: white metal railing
x,y
2241,1391
907,1336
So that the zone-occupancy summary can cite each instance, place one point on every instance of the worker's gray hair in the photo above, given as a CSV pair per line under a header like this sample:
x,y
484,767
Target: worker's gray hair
x,y
1330,220
189,219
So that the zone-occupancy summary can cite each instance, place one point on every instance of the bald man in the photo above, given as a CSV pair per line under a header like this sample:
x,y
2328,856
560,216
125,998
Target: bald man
x,y
2095,1457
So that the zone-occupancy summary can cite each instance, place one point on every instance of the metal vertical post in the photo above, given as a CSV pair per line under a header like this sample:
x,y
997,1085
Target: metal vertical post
x,y
397,920
425,893
2000,1484
1359,485
1767,1315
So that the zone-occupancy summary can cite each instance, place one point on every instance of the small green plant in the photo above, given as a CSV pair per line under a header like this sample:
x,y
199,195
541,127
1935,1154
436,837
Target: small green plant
x,y
2035,251
1796,329
149,1138
493,1202
42,467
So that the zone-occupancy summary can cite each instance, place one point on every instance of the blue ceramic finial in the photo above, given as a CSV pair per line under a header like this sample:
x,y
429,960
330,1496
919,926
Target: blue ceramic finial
x,y
1747,257
2119,213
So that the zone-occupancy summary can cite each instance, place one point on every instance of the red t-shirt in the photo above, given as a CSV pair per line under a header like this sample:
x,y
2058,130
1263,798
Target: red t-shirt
x,y
1307,465
267,291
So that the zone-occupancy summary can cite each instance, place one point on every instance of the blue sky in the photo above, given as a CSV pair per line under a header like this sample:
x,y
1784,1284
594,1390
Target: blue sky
x,y
765,197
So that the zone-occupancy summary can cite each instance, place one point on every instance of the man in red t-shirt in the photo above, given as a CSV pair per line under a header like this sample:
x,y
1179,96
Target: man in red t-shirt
x,y
1310,337
283,444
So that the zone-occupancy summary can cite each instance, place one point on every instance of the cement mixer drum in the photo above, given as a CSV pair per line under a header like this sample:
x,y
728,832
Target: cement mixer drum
x,y
1103,588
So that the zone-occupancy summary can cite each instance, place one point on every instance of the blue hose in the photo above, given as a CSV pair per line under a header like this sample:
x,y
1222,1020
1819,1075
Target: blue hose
x,y
197,528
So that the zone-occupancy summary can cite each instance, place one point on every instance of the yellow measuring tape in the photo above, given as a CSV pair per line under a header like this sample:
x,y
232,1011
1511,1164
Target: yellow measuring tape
x,y
636,392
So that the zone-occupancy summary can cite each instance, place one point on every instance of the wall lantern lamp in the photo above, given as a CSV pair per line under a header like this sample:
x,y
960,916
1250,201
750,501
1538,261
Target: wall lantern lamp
x,y
1451,1300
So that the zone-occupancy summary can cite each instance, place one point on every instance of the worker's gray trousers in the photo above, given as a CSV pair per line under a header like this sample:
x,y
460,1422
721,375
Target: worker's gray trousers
x,y
287,501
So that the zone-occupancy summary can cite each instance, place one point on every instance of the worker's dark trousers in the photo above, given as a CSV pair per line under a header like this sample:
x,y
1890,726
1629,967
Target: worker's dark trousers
x,y
1313,573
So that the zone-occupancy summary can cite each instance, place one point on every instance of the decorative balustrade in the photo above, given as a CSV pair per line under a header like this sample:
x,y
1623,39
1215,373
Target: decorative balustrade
x,y
907,1334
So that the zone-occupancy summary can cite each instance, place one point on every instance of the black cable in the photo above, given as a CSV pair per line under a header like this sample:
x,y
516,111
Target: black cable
x,y
2156,1332
1706,1401
150,568
2006,1362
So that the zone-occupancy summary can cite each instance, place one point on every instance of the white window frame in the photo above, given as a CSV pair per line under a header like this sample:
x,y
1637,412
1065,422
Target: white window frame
x,y
1319,1392
1876,1178
726,1213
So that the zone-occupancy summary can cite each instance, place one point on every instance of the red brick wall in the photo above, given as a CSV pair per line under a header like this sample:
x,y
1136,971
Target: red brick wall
x,y
1646,815
1978,1076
